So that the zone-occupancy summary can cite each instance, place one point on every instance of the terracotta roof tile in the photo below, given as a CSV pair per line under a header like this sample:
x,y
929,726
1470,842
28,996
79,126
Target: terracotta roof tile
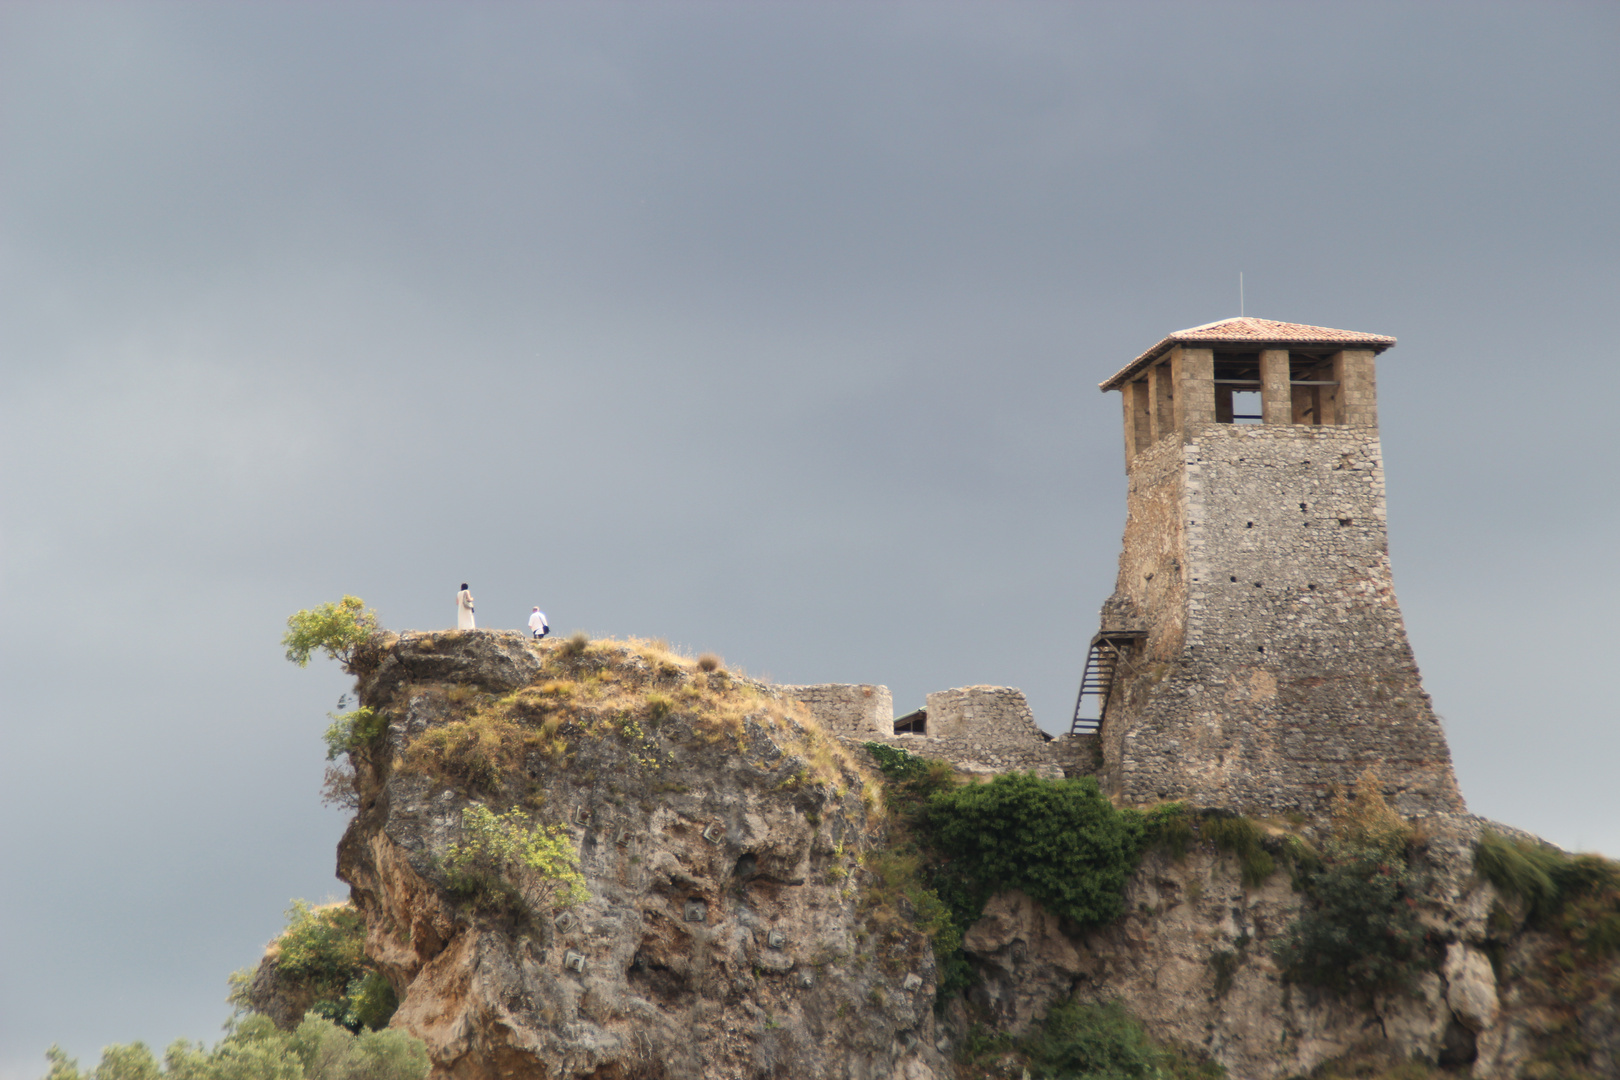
x,y
1251,331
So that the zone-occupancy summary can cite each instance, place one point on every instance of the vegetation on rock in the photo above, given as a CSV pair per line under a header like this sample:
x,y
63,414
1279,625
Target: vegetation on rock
x,y
591,690
1361,931
1081,1040
1575,896
952,846
339,630
506,860
1061,842
318,964
352,730
255,1049
1573,903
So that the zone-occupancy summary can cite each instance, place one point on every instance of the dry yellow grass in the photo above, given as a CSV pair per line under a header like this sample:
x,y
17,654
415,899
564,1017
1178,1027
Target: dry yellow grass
x,y
597,688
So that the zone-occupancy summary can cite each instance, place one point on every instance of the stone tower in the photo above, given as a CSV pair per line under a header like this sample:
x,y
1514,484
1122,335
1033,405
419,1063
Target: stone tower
x,y
1257,652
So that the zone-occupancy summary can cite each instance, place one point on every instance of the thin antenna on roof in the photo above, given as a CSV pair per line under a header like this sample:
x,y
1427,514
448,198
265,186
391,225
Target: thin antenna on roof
x,y
1240,294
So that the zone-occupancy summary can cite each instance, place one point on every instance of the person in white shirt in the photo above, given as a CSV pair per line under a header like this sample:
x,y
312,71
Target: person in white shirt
x,y
464,609
537,623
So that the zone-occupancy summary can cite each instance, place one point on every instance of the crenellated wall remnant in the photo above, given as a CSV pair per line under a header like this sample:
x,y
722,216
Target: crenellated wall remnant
x,y
853,710
979,729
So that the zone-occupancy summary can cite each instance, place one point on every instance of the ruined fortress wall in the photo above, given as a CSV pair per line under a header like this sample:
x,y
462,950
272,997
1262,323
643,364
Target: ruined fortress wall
x,y
1294,672
989,714
980,758
979,729
859,711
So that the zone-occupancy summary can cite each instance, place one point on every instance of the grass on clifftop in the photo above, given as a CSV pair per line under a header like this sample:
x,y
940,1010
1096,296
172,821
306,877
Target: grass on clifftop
x,y
590,690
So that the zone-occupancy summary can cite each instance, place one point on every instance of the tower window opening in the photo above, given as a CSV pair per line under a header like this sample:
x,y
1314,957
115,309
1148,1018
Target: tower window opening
x,y
1312,388
1237,388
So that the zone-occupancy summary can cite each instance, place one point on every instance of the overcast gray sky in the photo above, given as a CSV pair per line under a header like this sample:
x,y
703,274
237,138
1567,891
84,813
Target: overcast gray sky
x,y
772,329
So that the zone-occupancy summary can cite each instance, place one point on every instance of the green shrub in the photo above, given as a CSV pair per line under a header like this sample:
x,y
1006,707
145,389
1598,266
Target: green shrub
x,y
1361,931
339,630
895,763
323,944
369,1002
1240,837
1103,1042
506,860
1059,841
1521,870
1169,827
353,730
1577,896
256,1050
323,949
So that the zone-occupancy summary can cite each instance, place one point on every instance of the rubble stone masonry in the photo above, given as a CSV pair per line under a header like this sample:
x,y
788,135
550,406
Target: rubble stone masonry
x,y
1276,663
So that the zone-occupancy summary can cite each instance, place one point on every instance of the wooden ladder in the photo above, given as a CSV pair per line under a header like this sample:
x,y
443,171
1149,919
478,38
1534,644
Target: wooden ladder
x,y
1097,681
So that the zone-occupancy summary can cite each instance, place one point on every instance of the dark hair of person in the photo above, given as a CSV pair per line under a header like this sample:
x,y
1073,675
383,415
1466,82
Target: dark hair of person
x,y
464,586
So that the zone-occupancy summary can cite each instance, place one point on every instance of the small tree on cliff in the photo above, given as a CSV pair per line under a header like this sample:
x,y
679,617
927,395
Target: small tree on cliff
x,y
339,630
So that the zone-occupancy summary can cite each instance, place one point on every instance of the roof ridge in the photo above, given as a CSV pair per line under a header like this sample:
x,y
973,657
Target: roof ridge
x,y
1251,329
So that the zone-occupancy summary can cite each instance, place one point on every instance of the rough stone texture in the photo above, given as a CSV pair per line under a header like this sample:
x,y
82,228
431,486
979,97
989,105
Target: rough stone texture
x,y
991,713
283,1000
666,823
1192,959
982,730
858,711
1276,663
1470,986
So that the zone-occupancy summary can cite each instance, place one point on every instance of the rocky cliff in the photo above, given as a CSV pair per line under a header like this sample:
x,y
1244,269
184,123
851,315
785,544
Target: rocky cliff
x,y
719,835
730,926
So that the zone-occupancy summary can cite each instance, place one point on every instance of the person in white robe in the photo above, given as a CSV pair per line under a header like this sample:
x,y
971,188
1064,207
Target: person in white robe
x,y
537,623
464,609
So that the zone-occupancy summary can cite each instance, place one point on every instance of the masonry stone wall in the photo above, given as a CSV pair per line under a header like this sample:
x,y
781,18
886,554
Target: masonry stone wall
x,y
1277,663
978,729
993,715
860,711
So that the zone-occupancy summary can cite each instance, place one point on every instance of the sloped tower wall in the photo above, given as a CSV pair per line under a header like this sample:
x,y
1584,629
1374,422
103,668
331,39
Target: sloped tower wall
x,y
1276,663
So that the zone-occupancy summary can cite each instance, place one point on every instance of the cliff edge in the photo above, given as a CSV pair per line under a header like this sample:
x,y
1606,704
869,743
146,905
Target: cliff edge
x,y
715,927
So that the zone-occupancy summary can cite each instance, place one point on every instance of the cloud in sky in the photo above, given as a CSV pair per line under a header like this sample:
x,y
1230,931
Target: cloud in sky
x,y
772,329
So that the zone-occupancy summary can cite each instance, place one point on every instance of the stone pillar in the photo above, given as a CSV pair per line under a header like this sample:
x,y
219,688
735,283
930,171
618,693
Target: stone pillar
x,y
1194,372
1164,399
1357,398
1276,394
1127,395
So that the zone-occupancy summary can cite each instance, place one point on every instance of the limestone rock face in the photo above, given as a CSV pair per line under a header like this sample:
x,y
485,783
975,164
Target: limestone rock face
x,y
728,931
1192,959
1470,986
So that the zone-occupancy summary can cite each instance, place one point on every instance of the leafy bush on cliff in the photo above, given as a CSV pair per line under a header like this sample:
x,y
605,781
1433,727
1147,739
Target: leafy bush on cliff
x,y
1059,841
1102,1042
1361,931
256,1050
352,730
1574,895
952,846
504,860
320,965
339,630
1085,1041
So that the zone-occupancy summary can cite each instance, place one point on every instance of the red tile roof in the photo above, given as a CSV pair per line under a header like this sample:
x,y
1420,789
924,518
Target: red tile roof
x,y
1255,333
